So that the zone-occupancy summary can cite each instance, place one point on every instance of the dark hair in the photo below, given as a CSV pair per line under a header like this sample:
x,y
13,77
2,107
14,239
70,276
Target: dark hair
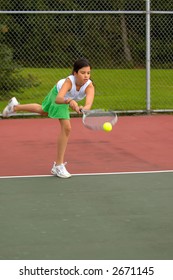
x,y
80,63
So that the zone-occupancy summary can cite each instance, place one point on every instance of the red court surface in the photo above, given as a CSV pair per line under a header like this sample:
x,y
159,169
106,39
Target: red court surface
x,y
137,143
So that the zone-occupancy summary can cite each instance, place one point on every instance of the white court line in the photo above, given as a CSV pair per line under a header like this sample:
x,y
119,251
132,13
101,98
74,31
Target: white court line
x,y
91,174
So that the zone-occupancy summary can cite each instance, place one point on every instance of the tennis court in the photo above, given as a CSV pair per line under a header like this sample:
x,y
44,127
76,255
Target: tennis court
x,y
117,205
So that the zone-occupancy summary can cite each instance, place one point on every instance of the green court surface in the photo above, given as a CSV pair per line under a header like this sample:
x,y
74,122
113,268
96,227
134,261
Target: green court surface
x,y
97,217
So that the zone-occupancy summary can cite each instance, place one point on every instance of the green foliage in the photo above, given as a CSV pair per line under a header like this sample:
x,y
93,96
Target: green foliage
x,y
11,79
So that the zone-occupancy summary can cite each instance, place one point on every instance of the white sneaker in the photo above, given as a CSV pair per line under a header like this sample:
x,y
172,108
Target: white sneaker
x,y
9,109
60,170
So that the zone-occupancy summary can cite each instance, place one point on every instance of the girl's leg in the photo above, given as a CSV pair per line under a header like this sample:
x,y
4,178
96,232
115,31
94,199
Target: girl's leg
x,y
13,106
58,168
33,108
63,140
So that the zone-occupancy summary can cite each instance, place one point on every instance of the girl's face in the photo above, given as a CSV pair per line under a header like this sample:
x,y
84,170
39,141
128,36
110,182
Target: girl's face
x,y
83,75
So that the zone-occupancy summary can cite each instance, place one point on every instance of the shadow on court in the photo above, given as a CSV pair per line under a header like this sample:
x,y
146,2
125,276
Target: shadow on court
x,y
87,217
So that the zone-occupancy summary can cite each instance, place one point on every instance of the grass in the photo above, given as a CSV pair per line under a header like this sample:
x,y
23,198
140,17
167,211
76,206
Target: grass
x,y
116,89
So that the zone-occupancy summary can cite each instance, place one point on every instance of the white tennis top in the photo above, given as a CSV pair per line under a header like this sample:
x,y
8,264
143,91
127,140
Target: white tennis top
x,y
73,93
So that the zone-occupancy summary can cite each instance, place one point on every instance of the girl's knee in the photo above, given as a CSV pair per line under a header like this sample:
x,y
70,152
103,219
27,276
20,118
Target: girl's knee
x,y
67,129
40,110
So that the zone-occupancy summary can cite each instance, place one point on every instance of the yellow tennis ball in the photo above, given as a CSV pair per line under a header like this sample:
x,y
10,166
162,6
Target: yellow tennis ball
x,y
107,126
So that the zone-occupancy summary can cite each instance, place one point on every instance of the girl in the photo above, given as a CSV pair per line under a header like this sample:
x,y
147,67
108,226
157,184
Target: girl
x,y
56,105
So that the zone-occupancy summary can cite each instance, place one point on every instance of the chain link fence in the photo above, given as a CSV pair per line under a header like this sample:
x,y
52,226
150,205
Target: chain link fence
x,y
40,40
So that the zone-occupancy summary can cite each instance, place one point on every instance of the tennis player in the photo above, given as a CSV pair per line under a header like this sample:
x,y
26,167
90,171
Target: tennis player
x,y
66,93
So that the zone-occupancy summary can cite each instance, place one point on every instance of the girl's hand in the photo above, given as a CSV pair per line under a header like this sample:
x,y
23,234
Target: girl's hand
x,y
68,100
73,104
80,109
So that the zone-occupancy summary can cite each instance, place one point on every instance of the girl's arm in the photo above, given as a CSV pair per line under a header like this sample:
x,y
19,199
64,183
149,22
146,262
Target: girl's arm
x,y
73,104
89,97
61,94
88,101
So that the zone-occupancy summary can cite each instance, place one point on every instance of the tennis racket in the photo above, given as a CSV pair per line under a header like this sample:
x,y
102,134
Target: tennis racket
x,y
94,119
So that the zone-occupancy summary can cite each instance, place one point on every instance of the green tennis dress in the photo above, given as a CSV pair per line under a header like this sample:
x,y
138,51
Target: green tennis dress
x,y
54,110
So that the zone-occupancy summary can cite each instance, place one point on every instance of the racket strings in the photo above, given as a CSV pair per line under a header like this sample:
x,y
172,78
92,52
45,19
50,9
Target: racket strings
x,y
96,119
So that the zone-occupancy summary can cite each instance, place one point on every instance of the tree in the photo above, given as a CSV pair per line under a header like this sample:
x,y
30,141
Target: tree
x,y
10,77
